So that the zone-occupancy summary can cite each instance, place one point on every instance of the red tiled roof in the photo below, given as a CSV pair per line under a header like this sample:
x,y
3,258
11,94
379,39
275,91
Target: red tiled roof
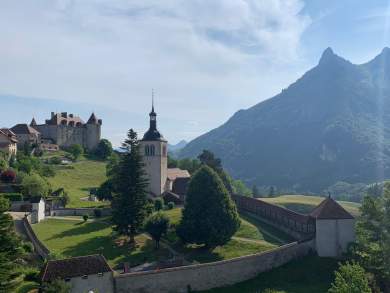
x,y
75,267
330,209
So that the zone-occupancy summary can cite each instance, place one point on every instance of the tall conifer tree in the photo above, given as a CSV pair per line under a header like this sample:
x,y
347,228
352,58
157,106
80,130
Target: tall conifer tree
x,y
10,250
129,189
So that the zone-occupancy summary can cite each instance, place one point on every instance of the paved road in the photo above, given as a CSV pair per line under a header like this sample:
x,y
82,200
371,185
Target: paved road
x,y
18,221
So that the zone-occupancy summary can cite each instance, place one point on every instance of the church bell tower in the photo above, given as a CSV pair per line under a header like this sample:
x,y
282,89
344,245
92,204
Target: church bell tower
x,y
153,147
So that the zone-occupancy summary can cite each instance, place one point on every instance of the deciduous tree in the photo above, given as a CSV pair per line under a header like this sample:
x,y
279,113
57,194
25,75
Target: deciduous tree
x,y
350,278
157,225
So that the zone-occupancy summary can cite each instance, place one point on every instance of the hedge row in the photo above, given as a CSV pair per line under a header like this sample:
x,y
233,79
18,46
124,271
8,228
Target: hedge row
x,y
13,196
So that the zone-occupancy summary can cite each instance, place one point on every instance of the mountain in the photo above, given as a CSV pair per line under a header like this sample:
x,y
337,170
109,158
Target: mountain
x,y
332,124
174,149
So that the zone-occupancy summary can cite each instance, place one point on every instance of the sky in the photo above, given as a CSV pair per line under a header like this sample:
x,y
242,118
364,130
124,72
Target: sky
x,y
205,60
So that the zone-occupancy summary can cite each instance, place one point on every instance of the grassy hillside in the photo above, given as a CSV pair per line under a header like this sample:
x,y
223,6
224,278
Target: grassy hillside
x,y
78,178
305,204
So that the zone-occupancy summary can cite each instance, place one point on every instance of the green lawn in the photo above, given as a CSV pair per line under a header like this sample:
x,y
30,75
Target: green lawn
x,y
75,238
78,178
310,274
305,204
252,237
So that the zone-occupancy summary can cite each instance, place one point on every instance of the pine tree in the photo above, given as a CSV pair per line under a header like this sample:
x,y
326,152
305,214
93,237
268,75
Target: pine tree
x,y
210,216
10,250
129,189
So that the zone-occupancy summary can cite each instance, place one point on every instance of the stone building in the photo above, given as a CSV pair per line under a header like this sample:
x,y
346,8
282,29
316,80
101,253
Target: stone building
x,y
84,274
8,141
26,134
65,129
154,149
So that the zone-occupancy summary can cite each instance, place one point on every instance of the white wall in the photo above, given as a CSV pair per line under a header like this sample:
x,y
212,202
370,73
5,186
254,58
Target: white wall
x,y
98,284
38,212
333,236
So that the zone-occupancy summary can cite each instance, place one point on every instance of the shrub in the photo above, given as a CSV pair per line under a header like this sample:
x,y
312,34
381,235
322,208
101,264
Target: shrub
x,y
157,225
85,217
28,247
8,176
350,278
158,204
76,151
31,274
55,160
34,185
97,213
13,196
3,165
47,171
171,205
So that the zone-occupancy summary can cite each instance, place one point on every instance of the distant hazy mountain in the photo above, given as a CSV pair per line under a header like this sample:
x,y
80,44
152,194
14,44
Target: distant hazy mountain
x,y
333,124
175,147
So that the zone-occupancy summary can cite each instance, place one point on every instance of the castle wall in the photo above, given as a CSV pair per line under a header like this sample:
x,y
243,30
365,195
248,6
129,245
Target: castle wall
x,y
64,135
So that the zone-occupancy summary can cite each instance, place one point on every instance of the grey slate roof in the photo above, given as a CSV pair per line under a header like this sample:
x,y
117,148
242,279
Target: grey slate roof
x,y
330,209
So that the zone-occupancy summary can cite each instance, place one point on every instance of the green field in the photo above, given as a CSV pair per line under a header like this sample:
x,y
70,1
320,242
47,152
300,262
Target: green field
x,y
253,236
78,178
305,204
71,237
75,238
310,274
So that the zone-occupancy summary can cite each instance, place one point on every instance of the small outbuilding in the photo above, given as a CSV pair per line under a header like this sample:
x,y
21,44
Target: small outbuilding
x,y
85,273
335,228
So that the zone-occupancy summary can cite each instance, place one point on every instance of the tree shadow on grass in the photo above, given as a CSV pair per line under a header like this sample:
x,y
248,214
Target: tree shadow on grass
x,y
81,228
267,231
115,254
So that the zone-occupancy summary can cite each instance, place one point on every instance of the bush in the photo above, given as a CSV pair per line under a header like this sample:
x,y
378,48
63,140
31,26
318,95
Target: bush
x,y
28,247
12,196
47,171
157,225
34,185
55,160
158,204
76,151
8,176
31,274
170,205
3,165
85,217
350,278
97,213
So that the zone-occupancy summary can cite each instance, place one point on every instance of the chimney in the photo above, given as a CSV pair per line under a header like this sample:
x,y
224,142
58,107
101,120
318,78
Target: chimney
x,y
70,115
64,114
52,114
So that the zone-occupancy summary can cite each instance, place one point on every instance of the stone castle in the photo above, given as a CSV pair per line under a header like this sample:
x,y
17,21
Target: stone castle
x,y
65,129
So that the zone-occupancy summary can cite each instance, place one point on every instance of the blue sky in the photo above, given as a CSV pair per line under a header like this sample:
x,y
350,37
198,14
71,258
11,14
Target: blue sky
x,y
205,59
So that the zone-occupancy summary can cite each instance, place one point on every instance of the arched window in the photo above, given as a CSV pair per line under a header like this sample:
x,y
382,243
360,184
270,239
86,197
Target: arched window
x,y
152,150
146,150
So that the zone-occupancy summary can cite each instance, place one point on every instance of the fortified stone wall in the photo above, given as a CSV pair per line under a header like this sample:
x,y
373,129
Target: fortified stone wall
x,y
211,275
39,247
78,212
295,224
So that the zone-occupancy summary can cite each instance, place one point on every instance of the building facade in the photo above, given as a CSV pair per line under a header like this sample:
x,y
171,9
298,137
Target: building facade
x,y
8,142
26,134
65,129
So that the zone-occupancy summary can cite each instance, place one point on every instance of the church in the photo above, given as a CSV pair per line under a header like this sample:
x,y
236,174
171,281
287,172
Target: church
x,y
170,183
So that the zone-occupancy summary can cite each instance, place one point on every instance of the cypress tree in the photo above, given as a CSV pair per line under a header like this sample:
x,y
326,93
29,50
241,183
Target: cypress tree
x,y
129,189
10,250
210,216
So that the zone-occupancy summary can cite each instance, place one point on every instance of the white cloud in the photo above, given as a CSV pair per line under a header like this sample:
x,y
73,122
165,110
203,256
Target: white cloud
x,y
206,59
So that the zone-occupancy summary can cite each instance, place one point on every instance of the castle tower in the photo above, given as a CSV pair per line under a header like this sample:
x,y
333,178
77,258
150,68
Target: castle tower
x,y
93,133
153,148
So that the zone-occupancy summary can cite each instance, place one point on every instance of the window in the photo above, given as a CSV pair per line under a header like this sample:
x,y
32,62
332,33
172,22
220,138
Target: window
x,y
152,150
84,277
146,150
100,274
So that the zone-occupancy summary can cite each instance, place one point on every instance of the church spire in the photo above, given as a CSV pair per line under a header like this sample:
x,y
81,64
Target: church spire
x,y
152,115
33,122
